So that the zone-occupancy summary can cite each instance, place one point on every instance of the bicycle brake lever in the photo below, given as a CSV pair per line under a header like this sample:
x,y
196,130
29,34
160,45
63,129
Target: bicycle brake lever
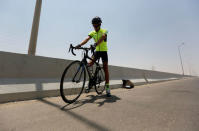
x,y
72,50
69,49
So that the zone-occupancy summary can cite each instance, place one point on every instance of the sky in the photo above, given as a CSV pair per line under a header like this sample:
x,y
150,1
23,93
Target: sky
x,y
142,34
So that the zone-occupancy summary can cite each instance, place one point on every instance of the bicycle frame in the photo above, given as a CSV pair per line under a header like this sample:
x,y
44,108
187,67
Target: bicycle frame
x,y
84,62
83,65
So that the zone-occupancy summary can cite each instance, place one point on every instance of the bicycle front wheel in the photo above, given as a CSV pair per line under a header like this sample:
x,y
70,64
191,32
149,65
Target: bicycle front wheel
x,y
72,82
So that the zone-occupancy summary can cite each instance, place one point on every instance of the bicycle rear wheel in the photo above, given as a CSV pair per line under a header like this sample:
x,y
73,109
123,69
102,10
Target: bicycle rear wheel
x,y
72,82
100,81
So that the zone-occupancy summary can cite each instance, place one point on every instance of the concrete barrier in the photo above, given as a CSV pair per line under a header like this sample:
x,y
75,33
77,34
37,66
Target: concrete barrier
x,y
14,65
28,77
19,66
24,66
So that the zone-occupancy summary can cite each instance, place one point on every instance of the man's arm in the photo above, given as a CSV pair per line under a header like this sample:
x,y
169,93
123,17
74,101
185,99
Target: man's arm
x,y
101,39
85,41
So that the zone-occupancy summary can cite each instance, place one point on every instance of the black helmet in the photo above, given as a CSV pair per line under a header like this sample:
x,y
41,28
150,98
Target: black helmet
x,y
96,20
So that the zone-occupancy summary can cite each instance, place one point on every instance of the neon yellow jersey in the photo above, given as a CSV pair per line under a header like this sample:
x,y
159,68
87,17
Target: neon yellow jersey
x,y
96,36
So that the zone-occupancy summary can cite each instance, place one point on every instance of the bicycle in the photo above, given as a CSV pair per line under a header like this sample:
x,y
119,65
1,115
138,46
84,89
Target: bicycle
x,y
74,76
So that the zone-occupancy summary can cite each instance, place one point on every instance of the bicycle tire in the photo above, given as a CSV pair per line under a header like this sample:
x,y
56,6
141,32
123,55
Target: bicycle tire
x,y
100,82
64,90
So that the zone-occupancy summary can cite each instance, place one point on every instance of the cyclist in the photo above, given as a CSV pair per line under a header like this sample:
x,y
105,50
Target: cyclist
x,y
100,37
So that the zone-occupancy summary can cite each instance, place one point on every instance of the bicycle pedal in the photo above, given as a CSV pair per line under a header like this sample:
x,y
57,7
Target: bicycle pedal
x,y
78,81
87,90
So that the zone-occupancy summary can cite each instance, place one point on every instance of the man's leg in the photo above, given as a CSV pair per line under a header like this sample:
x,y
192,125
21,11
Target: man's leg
x,y
94,57
105,66
90,64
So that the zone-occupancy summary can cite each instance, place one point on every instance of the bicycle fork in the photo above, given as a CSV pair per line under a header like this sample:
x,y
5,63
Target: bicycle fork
x,y
80,67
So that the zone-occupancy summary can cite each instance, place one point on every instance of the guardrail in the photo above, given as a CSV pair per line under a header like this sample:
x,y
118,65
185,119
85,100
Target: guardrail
x,y
28,77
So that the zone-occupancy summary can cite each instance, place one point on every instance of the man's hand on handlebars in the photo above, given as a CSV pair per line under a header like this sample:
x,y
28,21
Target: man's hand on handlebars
x,y
78,46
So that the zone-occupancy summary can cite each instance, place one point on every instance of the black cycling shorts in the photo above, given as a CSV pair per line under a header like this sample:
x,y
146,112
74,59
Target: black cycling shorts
x,y
101,54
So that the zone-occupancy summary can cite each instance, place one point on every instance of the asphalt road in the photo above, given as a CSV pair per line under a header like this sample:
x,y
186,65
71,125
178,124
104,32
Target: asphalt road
x,y
167,106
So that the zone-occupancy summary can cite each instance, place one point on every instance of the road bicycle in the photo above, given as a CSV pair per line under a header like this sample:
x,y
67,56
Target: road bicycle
x,y
78,73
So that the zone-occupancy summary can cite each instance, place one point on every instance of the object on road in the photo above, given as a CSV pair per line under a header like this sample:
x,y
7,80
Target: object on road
x,y
127,84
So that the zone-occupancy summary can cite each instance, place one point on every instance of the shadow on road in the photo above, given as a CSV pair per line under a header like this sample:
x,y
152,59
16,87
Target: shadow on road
x,y
78,117
100,100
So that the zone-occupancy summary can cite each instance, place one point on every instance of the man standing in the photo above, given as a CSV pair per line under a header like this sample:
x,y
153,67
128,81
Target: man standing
x,y
100,37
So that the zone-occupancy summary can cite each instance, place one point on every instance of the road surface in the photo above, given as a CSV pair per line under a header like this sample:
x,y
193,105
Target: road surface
x,y
167,106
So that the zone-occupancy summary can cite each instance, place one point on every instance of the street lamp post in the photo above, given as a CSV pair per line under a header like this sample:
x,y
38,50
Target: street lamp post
x,y
35,28
181,58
